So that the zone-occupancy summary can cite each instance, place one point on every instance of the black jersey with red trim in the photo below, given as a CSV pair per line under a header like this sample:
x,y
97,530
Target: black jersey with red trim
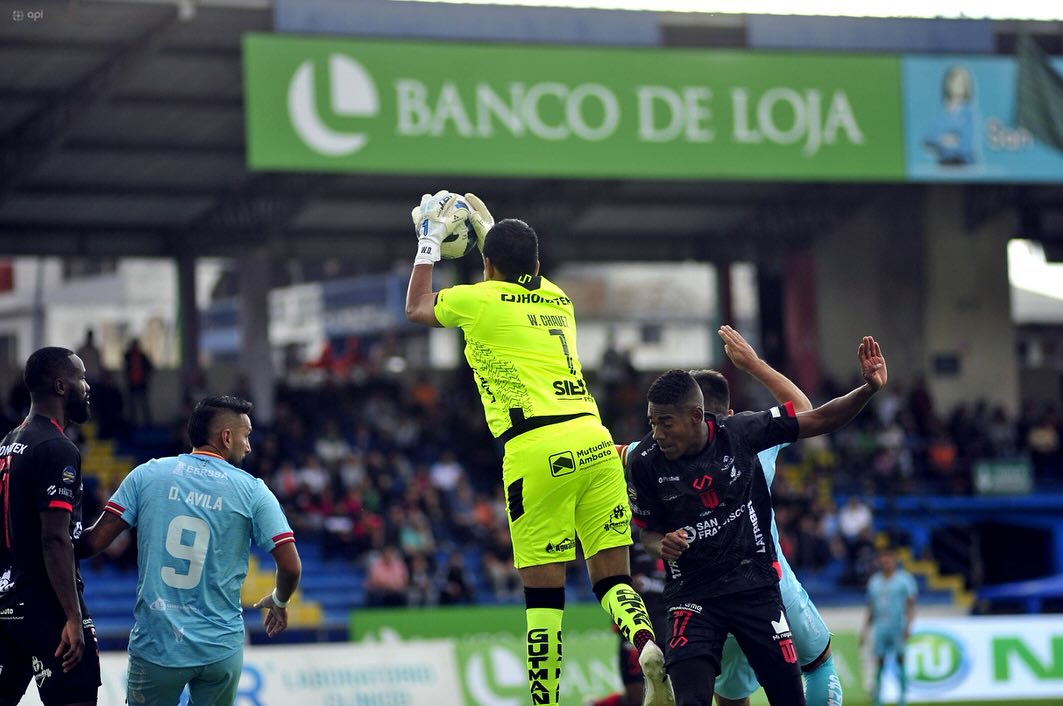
x,y
720,497
40,469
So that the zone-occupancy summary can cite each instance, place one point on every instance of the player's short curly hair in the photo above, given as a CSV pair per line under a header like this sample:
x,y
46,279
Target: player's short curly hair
x,y
513,247
45,366
715,389
675,387
203,415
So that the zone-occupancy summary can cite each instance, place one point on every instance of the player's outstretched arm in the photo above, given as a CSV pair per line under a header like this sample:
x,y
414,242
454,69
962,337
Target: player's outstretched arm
x,y
98,537
289,569
841,410
746,359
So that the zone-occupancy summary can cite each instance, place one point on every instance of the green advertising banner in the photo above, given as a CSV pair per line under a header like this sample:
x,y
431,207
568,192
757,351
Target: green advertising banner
x,y
343,105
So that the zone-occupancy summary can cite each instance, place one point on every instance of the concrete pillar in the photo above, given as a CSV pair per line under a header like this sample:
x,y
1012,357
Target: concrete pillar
x,y
968,305
801,327
256,357
188,324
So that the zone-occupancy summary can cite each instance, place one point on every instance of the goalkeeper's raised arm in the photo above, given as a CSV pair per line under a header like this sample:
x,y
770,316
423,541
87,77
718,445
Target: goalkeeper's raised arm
x,y
434,219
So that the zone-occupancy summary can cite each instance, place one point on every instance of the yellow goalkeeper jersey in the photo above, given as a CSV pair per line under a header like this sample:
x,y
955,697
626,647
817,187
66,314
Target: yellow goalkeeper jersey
x,y
520,340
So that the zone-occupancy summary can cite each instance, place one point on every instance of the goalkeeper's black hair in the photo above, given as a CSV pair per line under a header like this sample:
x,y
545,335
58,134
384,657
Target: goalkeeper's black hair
x,y
715,389
675,387
201,423
513,248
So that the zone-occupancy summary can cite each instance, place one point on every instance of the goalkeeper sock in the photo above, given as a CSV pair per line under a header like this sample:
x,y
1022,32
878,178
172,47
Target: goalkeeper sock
x,y
545,608
822,686
625,606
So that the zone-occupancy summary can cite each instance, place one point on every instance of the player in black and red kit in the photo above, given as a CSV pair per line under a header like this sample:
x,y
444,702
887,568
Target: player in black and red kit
x,y
700,496
46,633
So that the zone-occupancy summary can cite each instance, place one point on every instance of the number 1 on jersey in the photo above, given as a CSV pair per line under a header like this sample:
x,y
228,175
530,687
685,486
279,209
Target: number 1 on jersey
x,y
195,554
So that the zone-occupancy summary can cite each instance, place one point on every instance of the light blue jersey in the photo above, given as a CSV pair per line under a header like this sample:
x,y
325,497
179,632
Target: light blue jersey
x,y
195,515
788,583
888,598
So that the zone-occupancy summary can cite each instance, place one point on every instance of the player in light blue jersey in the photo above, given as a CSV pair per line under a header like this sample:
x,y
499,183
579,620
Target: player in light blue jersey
x,y
891,595
737,681
196,515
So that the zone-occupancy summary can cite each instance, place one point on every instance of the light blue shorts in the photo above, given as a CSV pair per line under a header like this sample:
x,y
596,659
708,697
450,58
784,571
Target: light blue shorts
x,y
887,641
811,637
210,685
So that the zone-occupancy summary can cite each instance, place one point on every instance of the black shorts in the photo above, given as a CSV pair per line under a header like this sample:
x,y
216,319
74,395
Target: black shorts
x,y
29,634
698,628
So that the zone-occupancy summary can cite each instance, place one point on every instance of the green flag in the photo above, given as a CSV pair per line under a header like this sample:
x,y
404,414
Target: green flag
x,y
1039,95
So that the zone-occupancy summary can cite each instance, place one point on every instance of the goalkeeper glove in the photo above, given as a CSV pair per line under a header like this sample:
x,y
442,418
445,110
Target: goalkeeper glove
x,y
481,219
438,216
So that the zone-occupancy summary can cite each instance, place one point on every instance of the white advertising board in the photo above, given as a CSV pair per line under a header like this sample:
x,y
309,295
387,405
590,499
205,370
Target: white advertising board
x,y
410,674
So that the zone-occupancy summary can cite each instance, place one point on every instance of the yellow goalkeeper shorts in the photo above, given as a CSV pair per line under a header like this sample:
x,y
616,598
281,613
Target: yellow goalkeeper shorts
x,y
565,481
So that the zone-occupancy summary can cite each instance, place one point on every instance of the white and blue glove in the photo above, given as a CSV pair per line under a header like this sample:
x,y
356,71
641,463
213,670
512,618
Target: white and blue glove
x,y
480,218
438,216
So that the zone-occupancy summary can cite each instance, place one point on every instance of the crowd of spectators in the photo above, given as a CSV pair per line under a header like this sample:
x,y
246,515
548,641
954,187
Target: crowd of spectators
x,y
399,473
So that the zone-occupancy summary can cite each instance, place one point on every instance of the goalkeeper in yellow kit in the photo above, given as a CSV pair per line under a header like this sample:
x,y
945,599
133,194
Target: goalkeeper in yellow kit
x,y
562,476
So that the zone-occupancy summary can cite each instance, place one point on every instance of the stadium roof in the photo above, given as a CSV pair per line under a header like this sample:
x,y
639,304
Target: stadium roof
x,y
122,133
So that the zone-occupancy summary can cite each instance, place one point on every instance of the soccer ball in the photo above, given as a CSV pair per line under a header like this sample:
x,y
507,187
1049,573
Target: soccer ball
x,y
461,240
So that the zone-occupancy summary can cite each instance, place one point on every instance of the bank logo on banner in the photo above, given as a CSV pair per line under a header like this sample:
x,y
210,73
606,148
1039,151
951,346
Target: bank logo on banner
x,y
936,661
352,94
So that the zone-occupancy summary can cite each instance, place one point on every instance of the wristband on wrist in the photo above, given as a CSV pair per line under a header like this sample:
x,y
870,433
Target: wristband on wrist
x,y
278,602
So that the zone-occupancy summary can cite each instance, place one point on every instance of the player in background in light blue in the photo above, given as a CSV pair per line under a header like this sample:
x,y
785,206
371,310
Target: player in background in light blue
x,y
891,595
196,515
737,681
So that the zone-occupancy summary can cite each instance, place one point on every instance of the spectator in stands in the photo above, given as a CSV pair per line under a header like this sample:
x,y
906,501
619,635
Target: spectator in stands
x,y
446,473
1045,441
503,576
90,356
388,580
854,524
456,588
312,476
108,407
331,447
1001,434
18,399
138,370
415,535
422,584
813,551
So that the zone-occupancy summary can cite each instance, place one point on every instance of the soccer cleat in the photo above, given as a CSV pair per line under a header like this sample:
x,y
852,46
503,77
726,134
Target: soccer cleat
x,y
657,687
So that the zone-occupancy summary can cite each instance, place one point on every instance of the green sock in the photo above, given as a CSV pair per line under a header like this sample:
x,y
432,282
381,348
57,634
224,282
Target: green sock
x,y
544,655
625,605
